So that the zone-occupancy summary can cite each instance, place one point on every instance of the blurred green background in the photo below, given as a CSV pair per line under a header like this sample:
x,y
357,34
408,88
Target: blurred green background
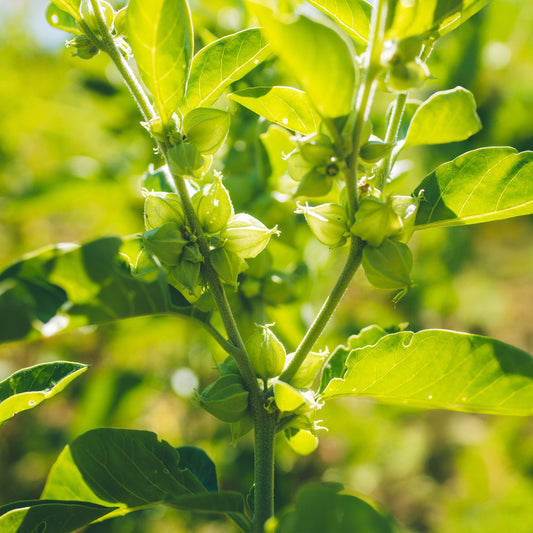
x,y
71,158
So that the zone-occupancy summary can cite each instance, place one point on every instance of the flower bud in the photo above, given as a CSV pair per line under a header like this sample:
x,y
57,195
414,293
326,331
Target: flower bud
x,y
85,48
226,398
328,222
206,128
309,370
389,265
214,207
166,242
162,207
266,353
246,236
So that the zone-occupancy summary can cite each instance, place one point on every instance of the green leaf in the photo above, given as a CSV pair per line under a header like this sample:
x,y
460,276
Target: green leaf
x,y
28,387
318,56
438,369
320,508
479,186
447,116
286,106
161,37
37,516
335,366
61,20
133,469
221,63
429,17
72,7
353,15
70,286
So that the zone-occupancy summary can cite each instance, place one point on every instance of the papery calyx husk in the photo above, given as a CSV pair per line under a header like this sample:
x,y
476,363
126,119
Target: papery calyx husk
x,y
289,398
206,128
246,236
162,207
328,222
267,354
213,207
388,266
166,242
226,398
90,17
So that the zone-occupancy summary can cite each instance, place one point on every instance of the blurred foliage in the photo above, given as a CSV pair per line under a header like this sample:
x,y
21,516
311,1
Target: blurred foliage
x,y
71,157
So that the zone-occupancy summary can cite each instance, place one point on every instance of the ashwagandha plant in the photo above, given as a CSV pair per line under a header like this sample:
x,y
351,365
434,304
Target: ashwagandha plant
x,y
196,247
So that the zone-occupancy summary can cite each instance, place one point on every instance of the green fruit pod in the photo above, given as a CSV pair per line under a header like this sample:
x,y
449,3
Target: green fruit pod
x,y
328,222
246,236
388,266
185,159
166,242
214,207
226,398
375,220
162,207
317,149
374,151
90,17
266,353
206,128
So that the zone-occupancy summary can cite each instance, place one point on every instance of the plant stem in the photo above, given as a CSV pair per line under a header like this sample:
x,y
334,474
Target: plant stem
x,y
371,69
352,264
265,432
391,135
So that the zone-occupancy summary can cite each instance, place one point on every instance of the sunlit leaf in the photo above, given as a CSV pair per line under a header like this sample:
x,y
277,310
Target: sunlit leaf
x,y
37,516
429,17
479,186
161,36
72,7
320,508
30,386
285,106
353,15
222,62
318,56
70,286
133,469
61,19
447,116
438,369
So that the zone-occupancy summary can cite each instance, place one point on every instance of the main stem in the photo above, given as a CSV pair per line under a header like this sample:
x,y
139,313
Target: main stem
x,y
264,422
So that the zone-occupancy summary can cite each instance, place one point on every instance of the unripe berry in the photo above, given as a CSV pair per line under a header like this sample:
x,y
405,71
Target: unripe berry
x,y
266,353
206,128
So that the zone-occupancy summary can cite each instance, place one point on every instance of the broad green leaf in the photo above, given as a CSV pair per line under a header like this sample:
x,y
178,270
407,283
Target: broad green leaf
x,y
221,63
161,37
133,469
285,106
61,20
70,286
366,337
28,387
447,116
318,57
429,17
353,15
438,369
38,516
320,508
72,7
479,186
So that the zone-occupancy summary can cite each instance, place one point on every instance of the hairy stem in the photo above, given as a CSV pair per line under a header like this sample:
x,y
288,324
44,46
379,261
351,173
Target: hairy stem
x,y
371,69
391,135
